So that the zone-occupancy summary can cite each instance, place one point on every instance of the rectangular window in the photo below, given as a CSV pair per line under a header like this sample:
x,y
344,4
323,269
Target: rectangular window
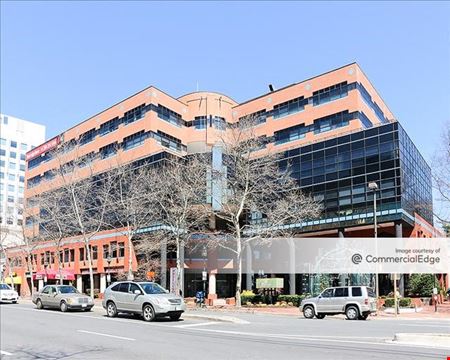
x,y
332,122
134,140
87,137
22,157
13,154
2,175
356,291
121,253
2,141
81,250
11,177
10,198
291,134
341,292
2,152
13,144
12,166
220,123
106,252
289,107
114,249
109,126
199,122
22,167
23,147
134,114
11,188
169,115
330,93
108,150
257,117
21,179
94,251
2,163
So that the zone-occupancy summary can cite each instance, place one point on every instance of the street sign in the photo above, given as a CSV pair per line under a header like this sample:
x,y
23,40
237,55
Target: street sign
x,y
269,283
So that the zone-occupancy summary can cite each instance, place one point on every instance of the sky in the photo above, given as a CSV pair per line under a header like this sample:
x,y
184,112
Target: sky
x,y
62,62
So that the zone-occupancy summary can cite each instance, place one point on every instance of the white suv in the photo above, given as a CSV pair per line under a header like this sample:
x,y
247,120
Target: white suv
x,y
356,302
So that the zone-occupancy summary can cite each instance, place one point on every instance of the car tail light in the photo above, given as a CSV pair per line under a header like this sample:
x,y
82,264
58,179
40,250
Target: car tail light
x,y
366,301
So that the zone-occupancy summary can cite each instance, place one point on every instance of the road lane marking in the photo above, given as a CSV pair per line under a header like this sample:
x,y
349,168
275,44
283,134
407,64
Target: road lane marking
x,y
422,325
106,335
2,352
198,324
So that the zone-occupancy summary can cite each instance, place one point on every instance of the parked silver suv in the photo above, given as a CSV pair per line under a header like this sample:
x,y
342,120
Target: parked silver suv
x,y
144,298
356,302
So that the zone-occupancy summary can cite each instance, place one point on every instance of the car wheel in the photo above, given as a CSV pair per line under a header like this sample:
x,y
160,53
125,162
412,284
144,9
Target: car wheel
x,y
320,316
308,312
111,309
148,313
39,304
14,302
352,312
88,309
175,317
63,306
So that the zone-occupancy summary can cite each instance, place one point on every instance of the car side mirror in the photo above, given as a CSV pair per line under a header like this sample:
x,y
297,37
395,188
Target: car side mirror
x,y
137,292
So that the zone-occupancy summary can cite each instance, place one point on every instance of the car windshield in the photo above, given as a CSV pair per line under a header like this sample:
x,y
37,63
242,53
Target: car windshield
x,y
67,290
152,288
4,287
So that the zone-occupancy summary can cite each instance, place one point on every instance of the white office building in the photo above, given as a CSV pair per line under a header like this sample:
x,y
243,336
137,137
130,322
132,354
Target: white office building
x,y
16,138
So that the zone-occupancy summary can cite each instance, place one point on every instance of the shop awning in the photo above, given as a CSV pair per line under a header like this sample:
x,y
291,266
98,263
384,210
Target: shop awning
x,y
17,280
52,274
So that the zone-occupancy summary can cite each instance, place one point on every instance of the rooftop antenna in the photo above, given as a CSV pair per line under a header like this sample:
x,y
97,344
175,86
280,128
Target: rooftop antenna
x,y
271,87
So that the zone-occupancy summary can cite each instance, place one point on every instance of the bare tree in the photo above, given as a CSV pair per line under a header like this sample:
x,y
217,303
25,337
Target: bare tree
x,y
54,211
85,195
176,193
261,198
441,178
128,207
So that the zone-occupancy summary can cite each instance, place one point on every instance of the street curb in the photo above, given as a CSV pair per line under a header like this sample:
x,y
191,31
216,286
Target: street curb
x,y
425,339
229,319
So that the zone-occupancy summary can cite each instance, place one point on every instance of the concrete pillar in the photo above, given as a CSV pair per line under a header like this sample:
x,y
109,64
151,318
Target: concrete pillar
x,y
398,230
342,277
249,268
102,283
79,283
291,267
212,284
40,284
399,234
163,276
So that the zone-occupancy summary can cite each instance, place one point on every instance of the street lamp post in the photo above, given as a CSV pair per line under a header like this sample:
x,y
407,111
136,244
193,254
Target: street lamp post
x,y
373,186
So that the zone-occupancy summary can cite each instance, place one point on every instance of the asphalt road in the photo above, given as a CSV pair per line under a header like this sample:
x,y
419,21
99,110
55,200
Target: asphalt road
x,y
28,333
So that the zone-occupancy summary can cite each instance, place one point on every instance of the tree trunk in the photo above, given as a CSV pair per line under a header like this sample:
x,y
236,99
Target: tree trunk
x,y
91,271
239,282
130,275
178,284
239,265
58,252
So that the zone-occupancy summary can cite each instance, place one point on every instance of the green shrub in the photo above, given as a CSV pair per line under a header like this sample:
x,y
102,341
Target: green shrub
x,y
403,302
421,284
295,299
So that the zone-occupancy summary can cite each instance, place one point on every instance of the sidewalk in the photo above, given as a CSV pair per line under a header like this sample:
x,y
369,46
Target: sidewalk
x,y
427,312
